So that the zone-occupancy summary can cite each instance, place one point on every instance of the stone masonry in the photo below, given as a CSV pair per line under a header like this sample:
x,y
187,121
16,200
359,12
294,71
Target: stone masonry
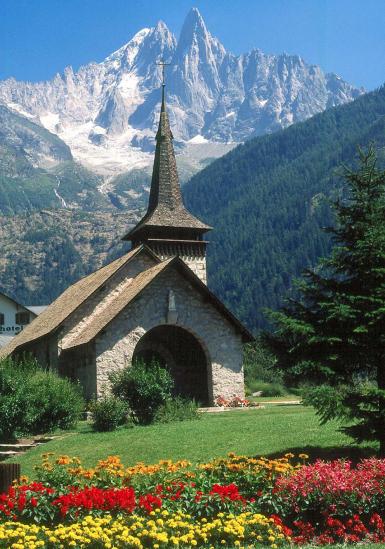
x,y
222,345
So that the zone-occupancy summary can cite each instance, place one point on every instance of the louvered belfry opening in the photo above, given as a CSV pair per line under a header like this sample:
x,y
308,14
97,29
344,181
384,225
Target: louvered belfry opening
x,y
168,228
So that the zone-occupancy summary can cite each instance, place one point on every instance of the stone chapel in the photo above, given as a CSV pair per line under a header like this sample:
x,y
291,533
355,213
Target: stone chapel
x,y
153,302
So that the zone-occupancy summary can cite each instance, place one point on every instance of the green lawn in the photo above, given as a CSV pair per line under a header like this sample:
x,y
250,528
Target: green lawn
x,y
271,431
286,398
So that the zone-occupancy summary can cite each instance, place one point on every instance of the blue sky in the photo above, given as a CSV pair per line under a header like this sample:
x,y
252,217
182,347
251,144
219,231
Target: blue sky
x,y
40,37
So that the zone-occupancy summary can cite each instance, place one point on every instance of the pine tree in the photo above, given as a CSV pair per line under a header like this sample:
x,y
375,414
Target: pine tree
x,y
333,334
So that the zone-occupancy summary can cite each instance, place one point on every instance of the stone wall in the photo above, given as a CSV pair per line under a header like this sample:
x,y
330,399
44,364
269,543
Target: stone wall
x,y
222,344
45,351
197,263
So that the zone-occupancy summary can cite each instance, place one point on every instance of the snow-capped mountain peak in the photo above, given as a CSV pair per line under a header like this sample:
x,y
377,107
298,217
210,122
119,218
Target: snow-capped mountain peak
x,y
127,53
107,112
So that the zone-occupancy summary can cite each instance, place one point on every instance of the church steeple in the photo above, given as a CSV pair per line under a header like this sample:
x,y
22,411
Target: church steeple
x,y
168,227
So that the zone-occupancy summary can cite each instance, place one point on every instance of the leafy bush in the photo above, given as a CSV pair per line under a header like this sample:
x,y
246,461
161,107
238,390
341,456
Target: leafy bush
x,y
54,402
13,397
260,373
145,387
33,400
108,413
177,409
267,389
259,364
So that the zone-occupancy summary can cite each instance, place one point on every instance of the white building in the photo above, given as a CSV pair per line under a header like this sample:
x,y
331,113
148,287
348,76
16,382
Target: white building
x,y
14,317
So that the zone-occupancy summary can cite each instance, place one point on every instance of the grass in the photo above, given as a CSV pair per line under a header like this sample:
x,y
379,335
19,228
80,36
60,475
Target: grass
x,y
271,431
285,398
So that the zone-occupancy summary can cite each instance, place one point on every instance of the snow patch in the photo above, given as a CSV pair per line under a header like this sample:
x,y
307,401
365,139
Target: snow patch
x,y
197,140
114,156
19,110
133,194
106,186
50,120
130,91
98,130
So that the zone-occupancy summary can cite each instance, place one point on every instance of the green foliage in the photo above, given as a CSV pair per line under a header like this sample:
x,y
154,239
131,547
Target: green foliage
x,y
108,413
177,409
145,387
12,397
258,363
266,389
35,401
260,374
269,198
334,333
53,403
326,400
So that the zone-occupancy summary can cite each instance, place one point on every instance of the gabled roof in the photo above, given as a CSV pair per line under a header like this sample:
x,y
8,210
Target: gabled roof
x,y
165,206
142,281
53,316
17,303
101,320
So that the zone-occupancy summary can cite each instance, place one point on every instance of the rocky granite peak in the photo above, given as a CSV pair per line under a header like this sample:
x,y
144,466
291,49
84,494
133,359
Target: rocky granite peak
x,y
107,112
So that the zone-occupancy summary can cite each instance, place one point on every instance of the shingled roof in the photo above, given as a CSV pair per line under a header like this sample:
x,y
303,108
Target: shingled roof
x,y
51,318
165,207
140,282
106,315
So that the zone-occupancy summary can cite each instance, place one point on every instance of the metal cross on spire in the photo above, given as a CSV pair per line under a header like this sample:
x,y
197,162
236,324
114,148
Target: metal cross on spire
x,y
163,64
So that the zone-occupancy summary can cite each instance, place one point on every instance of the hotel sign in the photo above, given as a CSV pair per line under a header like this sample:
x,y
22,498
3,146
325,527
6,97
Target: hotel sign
x,y
10,329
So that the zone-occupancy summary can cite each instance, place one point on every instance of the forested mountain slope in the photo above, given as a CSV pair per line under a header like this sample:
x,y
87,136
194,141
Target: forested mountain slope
x,y
269,198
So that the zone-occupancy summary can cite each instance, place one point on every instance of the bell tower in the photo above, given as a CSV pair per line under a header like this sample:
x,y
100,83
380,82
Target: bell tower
x,y
167,227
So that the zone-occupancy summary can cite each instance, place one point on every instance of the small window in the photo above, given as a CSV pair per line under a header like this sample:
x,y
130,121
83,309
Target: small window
x,y
2,320
22,318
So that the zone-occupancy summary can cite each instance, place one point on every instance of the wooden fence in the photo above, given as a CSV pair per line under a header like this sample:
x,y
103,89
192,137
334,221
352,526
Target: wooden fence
x,y
8,473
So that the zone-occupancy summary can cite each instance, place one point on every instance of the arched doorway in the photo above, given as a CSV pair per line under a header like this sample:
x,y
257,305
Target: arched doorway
x,y
182,354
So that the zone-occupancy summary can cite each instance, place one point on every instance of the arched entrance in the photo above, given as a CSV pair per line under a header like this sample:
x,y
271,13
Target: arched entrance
x,y
181,353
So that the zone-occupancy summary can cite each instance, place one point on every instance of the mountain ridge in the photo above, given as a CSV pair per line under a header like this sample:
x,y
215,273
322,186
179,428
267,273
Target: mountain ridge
x,y
107,112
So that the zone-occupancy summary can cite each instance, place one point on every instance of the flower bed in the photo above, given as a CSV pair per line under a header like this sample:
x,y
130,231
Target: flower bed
x,y
233,501
235,402
159,530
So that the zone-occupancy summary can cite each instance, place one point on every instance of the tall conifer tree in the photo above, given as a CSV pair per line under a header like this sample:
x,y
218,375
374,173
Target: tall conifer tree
x,y
334,333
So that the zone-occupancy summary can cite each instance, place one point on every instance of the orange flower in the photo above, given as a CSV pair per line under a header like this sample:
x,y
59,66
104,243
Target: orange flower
x,y
63,460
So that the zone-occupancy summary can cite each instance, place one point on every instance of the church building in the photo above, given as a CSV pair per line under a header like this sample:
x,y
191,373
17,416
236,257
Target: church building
x,y
152,302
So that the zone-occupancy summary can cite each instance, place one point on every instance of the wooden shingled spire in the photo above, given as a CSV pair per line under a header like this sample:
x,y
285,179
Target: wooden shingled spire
x,y
166,217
